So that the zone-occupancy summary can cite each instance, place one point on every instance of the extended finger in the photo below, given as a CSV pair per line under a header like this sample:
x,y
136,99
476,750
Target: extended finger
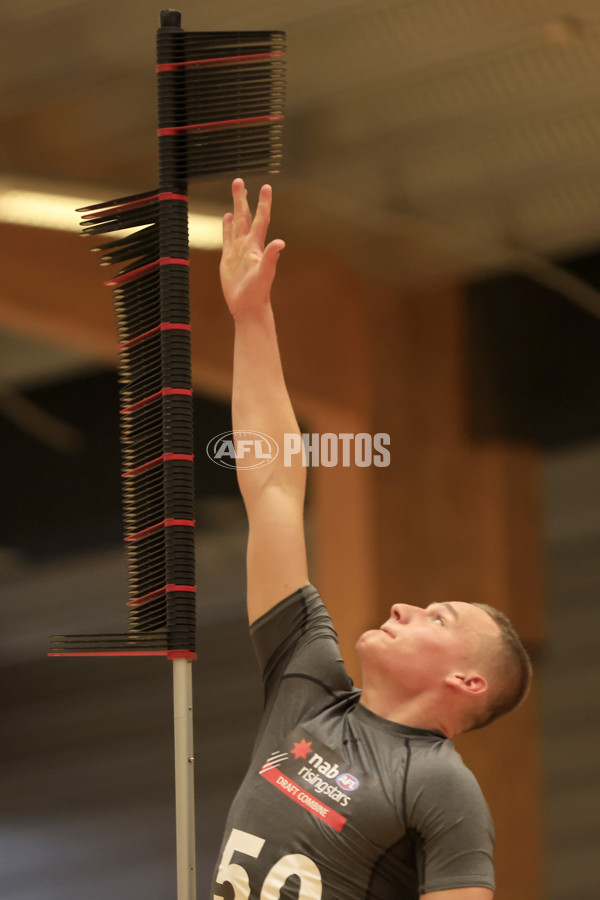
x,y
242,220
271,255
262,218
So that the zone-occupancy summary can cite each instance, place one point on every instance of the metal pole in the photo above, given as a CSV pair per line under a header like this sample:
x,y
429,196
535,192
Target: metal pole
x,y
184,779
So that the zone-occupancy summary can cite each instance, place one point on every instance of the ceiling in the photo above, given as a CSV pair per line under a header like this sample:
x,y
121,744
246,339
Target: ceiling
x,y
424,139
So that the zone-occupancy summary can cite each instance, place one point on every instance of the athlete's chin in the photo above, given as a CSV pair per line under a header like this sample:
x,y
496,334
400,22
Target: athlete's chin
x,y
367,635
369,639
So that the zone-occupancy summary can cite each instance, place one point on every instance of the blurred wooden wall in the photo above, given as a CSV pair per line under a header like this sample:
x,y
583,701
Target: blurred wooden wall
x,y
447,520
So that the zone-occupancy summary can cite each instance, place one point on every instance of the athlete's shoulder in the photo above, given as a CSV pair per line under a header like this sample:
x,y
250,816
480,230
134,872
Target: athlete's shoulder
x,y
296,620
436,768
297,607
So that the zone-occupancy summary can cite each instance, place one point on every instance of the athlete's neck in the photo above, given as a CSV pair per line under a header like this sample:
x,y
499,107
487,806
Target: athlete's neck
x,y
415,712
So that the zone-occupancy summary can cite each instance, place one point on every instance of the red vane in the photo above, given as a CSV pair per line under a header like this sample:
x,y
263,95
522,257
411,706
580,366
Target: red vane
x,y
190,523
168,588
167,195
135,273
140,337
164,326
181,654
166,392
183,457
129,276
226,123
219,61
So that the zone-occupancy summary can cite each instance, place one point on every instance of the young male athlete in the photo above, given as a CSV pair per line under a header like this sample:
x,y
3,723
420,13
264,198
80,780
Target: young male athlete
x,y
349,795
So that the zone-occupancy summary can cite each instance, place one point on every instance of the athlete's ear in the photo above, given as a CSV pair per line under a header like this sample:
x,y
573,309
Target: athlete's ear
x,y
471,683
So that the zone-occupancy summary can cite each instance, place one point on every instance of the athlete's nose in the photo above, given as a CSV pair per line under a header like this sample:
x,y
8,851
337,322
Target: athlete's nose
x,y
398,612
404,613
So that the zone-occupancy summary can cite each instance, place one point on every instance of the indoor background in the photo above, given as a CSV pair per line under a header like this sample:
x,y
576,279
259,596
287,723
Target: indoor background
x,y
439,199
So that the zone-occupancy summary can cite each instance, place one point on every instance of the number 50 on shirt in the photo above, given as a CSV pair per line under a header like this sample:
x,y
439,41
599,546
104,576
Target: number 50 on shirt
x,y
293,864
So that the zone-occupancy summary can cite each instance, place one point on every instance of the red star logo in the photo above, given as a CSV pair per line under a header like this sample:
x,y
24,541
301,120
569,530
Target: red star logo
x,y
301,749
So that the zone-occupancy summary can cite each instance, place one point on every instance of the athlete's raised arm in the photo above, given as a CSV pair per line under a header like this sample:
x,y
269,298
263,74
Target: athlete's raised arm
x,y
274,493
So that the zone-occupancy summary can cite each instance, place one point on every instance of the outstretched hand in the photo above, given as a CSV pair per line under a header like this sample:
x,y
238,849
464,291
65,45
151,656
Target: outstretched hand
x,y
247,266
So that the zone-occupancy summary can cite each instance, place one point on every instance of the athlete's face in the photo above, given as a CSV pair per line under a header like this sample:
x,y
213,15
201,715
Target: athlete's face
x,y
421,647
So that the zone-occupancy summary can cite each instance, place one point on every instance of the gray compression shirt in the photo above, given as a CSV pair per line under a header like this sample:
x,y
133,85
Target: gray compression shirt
x,y
339,803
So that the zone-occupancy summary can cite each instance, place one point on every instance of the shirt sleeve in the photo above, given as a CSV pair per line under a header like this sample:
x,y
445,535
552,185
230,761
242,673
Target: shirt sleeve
x,y
451,825
296,641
